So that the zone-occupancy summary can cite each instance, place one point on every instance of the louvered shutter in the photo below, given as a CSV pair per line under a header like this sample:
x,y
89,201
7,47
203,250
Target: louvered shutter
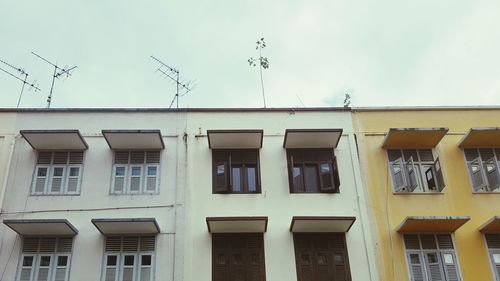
x,y
146,267
495,262
476,173
41,176
121,157
76,157
44,158
151,178
119,178
73,179
27,267
137,157
433,265
135,176
399,178
416,267
57,179
439,175
61,268
450,266
411,174
43,268
128,267
111,267
336,177
492,174
60,158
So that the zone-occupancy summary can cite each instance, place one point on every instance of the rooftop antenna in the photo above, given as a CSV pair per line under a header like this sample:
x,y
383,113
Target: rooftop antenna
x,y
58,72
173,74
21,72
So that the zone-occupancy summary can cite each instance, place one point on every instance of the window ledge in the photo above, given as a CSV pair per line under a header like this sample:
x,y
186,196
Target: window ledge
x,y
486,192
237,193
53,195
418,193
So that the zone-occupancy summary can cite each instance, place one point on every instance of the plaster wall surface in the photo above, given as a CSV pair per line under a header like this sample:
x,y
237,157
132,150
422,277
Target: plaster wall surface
x,y
275,201
457,199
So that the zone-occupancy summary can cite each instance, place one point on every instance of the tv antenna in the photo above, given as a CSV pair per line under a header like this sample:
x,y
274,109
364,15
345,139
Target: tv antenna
x,y
21,72
58,72
174,75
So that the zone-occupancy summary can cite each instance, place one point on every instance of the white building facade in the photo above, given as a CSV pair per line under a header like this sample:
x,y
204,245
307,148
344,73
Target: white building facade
x,y
197,194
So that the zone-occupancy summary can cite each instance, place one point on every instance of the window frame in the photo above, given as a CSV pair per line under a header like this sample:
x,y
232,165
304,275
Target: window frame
x,y
419,168
241,155
127,177
63,191
331,159
482,170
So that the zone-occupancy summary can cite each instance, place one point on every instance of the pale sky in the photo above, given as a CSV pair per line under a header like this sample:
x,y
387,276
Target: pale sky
x,y
384,53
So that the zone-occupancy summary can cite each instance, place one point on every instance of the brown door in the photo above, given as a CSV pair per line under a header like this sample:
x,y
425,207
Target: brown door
x,y
238,257
321,257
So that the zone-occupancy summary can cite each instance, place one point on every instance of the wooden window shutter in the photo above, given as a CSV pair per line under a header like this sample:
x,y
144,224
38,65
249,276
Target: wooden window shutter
x,y
152,157
493,240
336,177
490,167
416,267
27,267
76,157
130,244
121,157
113,244
221,172
291,180
439,175
44,158
147,243
476,173
411,173
433,265
398,175
30,245
449,261
60,158
137,157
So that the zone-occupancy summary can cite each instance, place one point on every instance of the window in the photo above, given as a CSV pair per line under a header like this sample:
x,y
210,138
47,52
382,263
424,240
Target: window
x,y
483,164
321,257
129,258
312,171
238,257
415,170
431,257
58,173
136,172
236,171
493,242
45,258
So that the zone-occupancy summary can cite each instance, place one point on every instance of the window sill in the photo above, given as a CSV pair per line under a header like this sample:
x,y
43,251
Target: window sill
x,y
53,195
132,194
418,193
486,192
237,193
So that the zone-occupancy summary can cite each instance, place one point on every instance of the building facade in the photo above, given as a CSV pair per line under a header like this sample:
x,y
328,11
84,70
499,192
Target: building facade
x,y
199,194
432,183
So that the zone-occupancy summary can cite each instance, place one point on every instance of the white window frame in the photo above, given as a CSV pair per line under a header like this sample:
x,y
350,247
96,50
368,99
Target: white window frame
x,y
32,268
125,177
52,177
147,176
485,187
78,178
142,181
55,267
35,178
120,264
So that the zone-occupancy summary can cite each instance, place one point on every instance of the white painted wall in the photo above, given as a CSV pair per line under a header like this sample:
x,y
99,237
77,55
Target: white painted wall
x,y
94,196
275,201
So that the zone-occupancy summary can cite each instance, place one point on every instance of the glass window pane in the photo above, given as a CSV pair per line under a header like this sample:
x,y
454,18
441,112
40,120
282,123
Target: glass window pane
x,y
326,174
45,261
58,172
297,179
252,179
151,171
432,258
111,260
42,172
120,171
62,261
236,176
146,260
220,169
28,261
74,171
311,175
414,259
339,259
136,171
448,258
496,258
304,259
129,260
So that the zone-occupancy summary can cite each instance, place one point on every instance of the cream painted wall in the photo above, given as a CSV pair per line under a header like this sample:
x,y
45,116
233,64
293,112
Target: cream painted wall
x,y
94,200
275,201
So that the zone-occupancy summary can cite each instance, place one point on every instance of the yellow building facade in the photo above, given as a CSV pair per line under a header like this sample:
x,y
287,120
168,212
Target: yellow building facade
x,y
431,174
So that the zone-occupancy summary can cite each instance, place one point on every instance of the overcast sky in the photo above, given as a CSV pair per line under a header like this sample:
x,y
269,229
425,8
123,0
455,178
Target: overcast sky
x,y
395,52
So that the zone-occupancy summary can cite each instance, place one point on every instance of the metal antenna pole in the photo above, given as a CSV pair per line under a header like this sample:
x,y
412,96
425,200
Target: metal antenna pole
x,y
174,75
56,74
21,72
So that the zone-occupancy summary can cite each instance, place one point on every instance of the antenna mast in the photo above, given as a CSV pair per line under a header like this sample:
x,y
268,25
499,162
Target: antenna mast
x,y
58,72
173,74
21,72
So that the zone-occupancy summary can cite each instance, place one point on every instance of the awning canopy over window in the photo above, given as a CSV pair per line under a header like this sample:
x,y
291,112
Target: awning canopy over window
x,y
414,137
55,139
432,223
134,139
41,227
492,225
481,137
237,224
312,138
321,224
127,226
236,139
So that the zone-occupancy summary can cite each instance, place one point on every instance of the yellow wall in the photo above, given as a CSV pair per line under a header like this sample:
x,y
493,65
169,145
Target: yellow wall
x,y
457,199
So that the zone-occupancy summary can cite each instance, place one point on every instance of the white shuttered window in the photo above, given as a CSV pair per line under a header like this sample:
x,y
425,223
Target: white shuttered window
x,y
136,172
45,259
129,258
431,257
58,173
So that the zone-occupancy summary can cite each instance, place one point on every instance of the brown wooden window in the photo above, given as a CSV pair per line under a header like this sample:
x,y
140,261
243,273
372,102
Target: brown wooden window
x,y
312,171
321,257
238,257
236,171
